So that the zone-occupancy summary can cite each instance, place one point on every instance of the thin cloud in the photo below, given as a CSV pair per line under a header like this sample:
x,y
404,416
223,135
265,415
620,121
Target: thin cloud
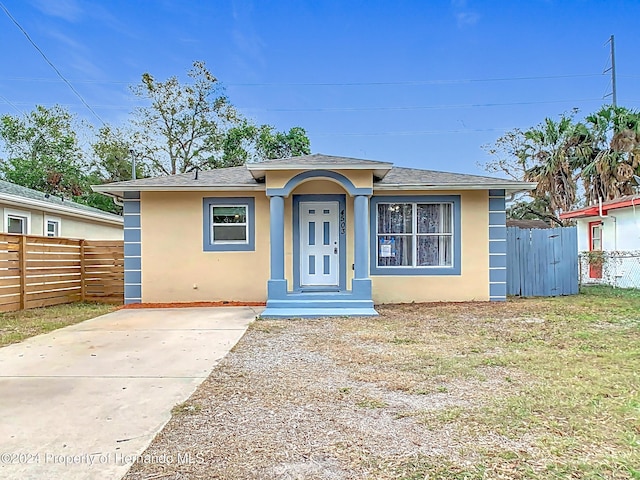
x,y
467,18
464,16
68,10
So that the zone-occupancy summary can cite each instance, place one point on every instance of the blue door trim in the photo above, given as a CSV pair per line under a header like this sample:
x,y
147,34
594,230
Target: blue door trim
x,y
342,218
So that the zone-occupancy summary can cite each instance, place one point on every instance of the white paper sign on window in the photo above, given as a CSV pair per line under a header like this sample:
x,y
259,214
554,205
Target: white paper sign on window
x,y
385,250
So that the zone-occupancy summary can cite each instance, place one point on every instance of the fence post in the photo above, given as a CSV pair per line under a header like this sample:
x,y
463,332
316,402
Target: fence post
x,y
22,260
83,288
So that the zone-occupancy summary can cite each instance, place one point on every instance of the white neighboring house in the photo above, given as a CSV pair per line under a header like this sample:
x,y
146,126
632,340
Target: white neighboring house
x,y
614,229
27,211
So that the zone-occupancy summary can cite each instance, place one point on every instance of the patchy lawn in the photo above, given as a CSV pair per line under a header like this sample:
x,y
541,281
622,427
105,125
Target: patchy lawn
x,y
535,388
16,326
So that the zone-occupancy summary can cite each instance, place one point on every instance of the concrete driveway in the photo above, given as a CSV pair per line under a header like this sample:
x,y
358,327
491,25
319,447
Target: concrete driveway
x,y
83,401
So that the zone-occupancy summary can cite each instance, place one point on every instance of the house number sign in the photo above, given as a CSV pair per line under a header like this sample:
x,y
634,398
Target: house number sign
x,y
343,223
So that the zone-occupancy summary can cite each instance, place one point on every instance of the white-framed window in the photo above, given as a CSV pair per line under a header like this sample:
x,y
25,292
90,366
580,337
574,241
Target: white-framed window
x,y
52,226
17,221
415,235
229,224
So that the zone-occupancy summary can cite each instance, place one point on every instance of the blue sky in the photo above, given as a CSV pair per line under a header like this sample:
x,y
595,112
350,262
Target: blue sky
x,y
419,83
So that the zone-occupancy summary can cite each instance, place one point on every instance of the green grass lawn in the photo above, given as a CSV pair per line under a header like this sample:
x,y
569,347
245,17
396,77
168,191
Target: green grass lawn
x,y
16,326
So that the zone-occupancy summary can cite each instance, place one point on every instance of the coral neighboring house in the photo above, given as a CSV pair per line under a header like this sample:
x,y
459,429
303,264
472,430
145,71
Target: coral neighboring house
x,y
29,212
613,228
315,235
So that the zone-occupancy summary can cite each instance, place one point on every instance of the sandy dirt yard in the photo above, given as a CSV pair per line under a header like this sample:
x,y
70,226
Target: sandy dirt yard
x,y
526,389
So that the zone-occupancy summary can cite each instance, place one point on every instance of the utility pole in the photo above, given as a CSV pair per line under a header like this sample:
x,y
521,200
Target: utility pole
x,y
612,69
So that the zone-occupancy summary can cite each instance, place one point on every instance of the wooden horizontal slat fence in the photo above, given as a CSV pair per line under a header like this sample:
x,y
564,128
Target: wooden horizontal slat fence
x,y
42,271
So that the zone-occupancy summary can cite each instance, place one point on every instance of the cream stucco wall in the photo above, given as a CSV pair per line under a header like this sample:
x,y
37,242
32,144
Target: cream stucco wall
x,y
71,227
471,284
173,260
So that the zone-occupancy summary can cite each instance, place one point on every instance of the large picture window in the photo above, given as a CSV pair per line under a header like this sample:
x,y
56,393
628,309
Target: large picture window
x,y
415,235
229,224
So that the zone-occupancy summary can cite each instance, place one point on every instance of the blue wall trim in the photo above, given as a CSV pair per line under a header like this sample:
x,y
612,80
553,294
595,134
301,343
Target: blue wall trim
x,y
457,234
301,177
131,206
496,205
207,245
498,290
132,248
132,263
498,275
132,292
497,260
132,276
276,247
498,218
131,220
341,199
132,235
497,232
497,246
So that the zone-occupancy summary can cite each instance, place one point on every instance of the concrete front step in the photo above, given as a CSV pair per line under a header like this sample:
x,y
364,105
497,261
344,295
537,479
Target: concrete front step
x,y
299,312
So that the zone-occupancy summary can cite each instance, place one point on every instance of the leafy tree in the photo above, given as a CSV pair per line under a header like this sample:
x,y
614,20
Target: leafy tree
x,y
250,143
43,152
193,125
185,124
113,151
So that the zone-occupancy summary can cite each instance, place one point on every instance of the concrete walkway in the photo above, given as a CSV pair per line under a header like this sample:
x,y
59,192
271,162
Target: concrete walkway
x,y
83,401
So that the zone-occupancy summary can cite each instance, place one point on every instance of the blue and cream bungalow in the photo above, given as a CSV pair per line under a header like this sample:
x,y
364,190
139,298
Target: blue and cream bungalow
x,y
315,235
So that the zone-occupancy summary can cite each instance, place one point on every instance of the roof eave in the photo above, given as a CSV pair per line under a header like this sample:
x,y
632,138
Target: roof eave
x,y
18,201
118,190
508,187
259,171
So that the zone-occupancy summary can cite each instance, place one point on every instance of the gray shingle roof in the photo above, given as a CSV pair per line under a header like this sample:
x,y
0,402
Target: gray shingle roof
x,y
321,159
241,177
28,193
415,176
206,178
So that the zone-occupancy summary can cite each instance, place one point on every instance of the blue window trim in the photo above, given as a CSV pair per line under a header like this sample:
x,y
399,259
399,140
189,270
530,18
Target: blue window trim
x,y
342,242
207,245
457,231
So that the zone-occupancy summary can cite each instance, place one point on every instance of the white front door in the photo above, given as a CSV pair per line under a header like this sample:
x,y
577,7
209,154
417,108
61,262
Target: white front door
x,y
319,246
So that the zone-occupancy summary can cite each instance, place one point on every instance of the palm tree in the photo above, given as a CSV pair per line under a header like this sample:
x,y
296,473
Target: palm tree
x,y
609,154
551,147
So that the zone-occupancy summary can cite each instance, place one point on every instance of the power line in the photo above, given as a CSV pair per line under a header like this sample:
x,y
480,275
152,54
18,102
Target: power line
x,y
355,109
420,107
50,62
339,84
409,132
6,100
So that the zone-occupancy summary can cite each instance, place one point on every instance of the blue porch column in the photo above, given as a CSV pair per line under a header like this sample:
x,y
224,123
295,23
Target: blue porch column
x,y
277,286
361,282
